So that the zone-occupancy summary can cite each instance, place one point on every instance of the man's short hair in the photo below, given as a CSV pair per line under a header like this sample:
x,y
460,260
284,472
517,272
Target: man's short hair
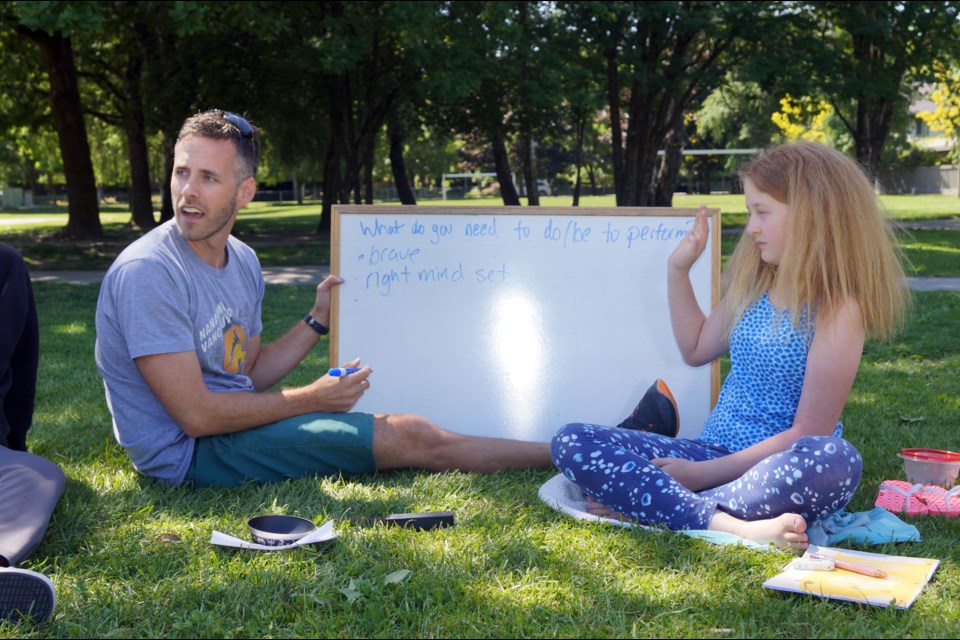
x,y
224,125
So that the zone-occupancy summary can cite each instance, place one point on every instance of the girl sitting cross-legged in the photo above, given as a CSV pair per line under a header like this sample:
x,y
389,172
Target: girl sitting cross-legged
x,y
815,273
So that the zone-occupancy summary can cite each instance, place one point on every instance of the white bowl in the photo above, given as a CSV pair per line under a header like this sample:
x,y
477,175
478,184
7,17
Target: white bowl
x,y
931,466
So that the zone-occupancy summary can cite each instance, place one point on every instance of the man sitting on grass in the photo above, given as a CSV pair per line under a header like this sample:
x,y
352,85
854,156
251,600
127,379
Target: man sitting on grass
x,y
178,346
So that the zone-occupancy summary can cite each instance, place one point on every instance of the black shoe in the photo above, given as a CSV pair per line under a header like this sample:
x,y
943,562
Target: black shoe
x,y
25,595
657,412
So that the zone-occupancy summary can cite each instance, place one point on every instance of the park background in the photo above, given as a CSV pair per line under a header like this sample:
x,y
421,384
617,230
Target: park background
x,y
375,101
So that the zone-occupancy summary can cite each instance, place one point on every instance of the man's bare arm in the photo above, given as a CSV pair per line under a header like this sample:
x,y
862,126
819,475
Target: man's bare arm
x,y
176,380
268,364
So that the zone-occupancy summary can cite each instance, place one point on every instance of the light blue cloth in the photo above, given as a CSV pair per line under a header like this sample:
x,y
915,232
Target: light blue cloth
x,y
867,527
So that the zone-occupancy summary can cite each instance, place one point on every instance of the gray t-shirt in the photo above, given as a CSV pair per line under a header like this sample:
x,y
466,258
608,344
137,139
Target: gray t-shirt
x,y
160,297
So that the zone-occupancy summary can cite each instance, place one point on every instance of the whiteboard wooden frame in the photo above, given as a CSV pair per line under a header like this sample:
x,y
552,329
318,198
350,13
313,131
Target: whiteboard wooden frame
x,y
424,390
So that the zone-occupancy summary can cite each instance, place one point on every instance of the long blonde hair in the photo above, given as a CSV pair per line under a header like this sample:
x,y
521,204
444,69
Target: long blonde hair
x,y
839,244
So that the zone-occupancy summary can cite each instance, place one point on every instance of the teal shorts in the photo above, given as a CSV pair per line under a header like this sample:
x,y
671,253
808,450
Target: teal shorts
x,y
316,444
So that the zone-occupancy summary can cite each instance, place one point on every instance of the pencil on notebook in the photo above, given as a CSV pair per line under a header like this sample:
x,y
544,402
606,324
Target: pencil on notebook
x,y
859,568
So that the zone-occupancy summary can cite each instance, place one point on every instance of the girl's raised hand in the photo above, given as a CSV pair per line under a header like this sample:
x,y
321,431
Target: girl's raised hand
x,y
693,245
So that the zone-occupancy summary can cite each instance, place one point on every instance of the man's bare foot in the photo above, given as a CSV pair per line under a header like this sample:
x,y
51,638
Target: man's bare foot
x,y
787,531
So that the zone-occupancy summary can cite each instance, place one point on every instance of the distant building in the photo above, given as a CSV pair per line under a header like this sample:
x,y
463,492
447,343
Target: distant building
x,y
920,133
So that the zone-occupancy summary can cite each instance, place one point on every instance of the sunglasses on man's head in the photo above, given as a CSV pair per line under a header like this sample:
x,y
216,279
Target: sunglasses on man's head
x,y
245,128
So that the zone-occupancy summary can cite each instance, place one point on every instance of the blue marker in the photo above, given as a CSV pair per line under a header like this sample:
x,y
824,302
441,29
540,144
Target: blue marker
x,y
342,371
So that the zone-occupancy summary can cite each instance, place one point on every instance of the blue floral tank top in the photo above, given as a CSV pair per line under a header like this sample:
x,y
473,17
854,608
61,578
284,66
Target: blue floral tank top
x,y
759,398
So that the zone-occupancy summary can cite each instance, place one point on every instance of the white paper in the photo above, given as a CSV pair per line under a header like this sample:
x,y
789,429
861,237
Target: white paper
x,y
322,534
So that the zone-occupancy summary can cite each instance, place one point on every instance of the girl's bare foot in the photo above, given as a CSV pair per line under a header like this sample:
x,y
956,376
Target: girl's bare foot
x,y
787,531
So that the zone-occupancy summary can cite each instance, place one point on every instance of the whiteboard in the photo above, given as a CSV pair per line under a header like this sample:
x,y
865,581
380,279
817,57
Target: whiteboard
x,y
513,321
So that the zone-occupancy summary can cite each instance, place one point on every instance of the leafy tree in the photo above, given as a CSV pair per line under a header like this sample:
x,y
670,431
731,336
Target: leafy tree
x,y
495,80
474,77
113,59
537,97
582,91
596,154
870,55
29,150
429,152
204,55
349,69
660,59
110,160
30,158
737,115
803,119
50,26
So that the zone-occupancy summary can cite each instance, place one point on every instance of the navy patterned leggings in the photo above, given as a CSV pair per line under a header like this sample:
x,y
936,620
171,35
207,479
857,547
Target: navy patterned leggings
x,y
814,478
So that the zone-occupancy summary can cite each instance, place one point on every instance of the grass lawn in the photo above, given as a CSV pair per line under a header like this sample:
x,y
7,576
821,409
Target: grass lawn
x,y
511,567
284,234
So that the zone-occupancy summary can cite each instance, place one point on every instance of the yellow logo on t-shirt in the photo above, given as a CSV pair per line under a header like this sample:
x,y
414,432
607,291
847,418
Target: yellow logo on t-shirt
x,y
234,349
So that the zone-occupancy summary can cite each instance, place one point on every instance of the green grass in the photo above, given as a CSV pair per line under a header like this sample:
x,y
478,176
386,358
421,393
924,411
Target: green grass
x,y
283,234
928,252
931,253
511,567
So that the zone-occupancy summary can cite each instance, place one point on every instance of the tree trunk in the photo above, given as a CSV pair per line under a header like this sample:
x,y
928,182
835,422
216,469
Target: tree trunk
x,y
331,181
369,146
166,197
670,164
84,211
31,176
581,126
342,112
628,190
507,191
140,192
875,113
141,199
874,120
397,164
298,190
351,185
526,155
592,179
616,133
652,111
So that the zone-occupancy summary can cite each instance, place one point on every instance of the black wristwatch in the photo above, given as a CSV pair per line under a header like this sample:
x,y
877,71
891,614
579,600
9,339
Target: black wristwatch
x,y
314,324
